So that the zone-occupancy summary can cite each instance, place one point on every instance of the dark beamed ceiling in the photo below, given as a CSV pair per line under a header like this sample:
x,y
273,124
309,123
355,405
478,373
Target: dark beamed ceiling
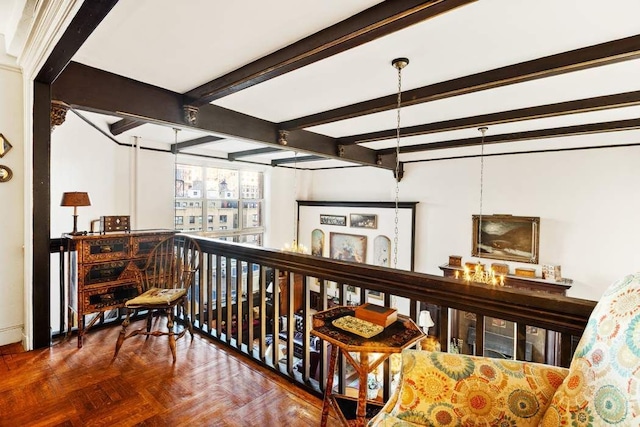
x,y
235,78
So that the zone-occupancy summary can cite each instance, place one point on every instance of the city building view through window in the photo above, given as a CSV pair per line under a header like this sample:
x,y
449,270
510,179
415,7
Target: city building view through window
x,y
218,202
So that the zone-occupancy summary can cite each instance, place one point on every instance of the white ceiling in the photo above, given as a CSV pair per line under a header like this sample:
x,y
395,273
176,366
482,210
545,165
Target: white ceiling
x,y
181,45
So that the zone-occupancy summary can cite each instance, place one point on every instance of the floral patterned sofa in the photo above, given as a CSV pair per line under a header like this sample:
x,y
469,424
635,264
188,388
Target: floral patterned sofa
x,y
601,387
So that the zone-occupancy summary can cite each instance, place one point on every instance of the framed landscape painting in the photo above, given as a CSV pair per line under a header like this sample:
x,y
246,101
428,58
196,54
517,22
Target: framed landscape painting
x,y
506,237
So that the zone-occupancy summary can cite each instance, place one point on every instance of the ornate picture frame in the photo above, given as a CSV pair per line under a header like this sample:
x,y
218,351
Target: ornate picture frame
x,y
506,237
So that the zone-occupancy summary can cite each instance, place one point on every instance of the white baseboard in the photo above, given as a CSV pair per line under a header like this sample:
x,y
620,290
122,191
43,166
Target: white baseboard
x,y
12,334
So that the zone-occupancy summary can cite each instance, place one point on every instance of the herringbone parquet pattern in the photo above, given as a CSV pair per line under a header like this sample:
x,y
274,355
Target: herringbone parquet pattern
x,y
208,386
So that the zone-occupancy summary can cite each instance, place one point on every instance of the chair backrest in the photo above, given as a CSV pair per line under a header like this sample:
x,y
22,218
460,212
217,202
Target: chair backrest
x,y
172,264
603,384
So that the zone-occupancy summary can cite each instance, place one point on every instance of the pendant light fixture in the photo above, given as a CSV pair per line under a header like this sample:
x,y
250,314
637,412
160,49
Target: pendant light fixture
x,y
479,273
399,64
295,246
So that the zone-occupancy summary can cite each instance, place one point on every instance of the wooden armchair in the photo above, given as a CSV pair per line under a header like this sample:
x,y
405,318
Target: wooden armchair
x,y
164,282
601,387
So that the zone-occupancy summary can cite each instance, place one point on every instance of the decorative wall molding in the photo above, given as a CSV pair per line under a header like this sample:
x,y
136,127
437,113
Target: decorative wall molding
x,y
51,17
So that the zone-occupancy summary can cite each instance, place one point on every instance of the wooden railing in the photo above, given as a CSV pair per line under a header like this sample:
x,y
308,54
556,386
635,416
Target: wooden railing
x,y
270,335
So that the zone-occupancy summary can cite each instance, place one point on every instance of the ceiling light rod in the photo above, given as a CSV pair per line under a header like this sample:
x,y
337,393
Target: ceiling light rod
x,y
399,64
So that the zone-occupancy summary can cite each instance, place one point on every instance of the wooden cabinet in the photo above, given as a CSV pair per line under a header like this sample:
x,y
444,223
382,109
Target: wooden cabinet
x,y
102,273
283,282
499,337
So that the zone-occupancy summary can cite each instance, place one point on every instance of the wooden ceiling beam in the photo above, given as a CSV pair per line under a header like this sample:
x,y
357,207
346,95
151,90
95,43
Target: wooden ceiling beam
x,y
194,142
85,21
592,56
294,160
613,126
88,88
254,152
123,125
597,103
370,24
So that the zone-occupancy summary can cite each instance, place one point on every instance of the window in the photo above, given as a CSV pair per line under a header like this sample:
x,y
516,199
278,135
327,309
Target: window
x,y
229,199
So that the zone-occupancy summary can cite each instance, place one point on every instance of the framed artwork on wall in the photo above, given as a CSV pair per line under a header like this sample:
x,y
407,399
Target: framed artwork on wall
x,y
317,242
506,237
340,220
330,217
363,220
382,251
348,247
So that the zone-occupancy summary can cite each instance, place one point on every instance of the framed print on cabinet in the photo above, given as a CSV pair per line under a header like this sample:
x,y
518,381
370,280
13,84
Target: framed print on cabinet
x,y
317,242
506,237
348,247
363,220
330,217
382,251
340,220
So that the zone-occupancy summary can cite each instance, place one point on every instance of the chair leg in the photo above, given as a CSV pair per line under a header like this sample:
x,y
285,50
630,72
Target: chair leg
x,y
187,318
149,320
172,337
123,333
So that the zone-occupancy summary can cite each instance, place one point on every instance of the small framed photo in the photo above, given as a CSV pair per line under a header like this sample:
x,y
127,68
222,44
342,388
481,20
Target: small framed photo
x,y
340,220
363,220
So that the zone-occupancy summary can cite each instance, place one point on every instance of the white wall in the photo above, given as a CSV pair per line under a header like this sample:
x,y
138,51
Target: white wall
x,y
11,200
588,203
83,159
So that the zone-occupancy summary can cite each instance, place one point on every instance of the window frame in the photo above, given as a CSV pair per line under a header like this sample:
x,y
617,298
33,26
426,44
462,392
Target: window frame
x,y
238,234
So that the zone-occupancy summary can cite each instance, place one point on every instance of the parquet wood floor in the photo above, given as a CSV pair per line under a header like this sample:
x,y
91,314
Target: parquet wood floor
x,y
208,386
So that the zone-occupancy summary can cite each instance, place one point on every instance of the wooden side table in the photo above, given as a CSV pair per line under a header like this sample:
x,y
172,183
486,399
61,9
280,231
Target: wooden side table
x,y
396,337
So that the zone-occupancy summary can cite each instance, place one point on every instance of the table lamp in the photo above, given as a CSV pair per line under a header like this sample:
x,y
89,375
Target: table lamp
x,y
425,321
75,199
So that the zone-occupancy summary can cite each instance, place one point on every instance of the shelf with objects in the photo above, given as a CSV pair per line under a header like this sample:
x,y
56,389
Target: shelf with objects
x,y
365,346
499,336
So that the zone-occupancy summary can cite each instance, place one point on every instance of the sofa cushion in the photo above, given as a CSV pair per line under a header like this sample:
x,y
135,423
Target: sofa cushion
x,y
603,384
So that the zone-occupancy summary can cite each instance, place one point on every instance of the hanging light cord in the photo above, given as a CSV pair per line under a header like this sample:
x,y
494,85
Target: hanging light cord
x,y
483,130
295,190
399,63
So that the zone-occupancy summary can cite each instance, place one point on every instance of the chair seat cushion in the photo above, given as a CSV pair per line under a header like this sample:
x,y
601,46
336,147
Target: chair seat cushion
x,y
156,296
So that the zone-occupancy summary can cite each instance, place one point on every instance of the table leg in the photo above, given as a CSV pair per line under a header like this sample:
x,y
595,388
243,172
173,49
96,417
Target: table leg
x,y
329,387
362,389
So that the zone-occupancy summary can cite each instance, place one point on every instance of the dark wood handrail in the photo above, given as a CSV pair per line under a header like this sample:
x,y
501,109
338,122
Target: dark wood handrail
x,y
556,312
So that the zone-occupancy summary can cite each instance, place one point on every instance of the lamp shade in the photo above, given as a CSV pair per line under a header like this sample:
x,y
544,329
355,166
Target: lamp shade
x,y
75,198
425,319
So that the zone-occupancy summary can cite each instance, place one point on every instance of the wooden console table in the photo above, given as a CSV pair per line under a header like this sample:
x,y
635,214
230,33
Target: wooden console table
x,y
102,271
397,336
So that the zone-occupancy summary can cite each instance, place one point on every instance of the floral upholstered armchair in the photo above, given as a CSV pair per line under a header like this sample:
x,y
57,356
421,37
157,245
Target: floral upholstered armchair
x,y
601,387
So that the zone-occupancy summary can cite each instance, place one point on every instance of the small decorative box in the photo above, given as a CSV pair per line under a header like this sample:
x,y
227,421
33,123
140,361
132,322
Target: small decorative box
x,y
551,272
455,261
500,269
114,223
526,272
473,265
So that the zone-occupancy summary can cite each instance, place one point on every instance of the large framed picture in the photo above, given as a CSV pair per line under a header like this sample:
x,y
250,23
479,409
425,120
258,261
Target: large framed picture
x,y
348,247
506,237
